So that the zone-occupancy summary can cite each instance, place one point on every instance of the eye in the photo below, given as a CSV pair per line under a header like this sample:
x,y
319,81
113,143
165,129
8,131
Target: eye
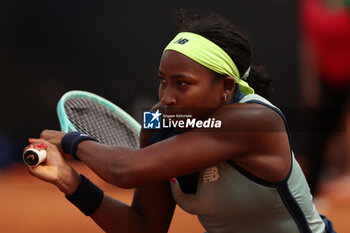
x,y
162,80
182,83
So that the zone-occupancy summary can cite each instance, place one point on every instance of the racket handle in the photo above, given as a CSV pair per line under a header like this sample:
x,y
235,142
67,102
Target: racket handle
x,y
33,157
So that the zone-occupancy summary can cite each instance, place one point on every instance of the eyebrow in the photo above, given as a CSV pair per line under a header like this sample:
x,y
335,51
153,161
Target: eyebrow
x,y
176,76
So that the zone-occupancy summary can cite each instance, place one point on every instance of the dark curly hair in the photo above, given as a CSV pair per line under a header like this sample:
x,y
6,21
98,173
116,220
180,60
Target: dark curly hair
x,y
224,34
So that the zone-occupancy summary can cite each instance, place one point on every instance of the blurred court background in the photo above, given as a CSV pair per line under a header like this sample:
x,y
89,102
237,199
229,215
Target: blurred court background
x,y
113,48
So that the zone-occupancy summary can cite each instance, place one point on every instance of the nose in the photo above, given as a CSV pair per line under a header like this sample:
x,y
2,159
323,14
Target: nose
x,y
168,97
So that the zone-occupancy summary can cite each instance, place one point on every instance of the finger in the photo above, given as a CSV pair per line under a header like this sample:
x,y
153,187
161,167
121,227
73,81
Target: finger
x,y
33,170
41,172
28,147
53,136
49,134
33,140
30,171
32,146
36,144
46,133
42,146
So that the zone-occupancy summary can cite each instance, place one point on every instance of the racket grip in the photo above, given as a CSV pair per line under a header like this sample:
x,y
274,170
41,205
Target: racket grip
x,y
33,157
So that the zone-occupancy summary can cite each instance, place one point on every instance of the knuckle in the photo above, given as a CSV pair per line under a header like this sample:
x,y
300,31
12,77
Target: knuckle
x,y
44,133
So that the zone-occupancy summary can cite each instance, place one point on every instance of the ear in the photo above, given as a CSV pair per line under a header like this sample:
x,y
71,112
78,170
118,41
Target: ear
x,y
228,85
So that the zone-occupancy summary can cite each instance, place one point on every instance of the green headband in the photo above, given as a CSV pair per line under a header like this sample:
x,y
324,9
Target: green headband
x,y
208,54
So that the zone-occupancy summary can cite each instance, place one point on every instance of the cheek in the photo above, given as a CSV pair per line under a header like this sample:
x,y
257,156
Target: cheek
x,y
212,100
160,93
209,96
201,97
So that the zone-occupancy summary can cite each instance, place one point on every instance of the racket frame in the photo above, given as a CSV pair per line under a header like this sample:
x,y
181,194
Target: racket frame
x,y
67,126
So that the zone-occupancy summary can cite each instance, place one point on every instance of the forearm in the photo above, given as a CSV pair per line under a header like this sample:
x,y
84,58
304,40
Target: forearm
x,y
151,211
115,216
110,214
112,164
68,180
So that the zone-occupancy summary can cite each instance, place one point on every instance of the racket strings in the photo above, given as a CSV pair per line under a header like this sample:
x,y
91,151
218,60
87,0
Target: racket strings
x,y
97,120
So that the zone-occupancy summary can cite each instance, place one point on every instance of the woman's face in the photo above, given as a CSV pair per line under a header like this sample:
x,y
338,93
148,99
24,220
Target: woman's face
x,y
186,87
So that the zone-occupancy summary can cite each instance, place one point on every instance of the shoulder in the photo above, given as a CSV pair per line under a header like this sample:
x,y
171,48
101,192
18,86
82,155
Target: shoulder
x,y
249,117
260,127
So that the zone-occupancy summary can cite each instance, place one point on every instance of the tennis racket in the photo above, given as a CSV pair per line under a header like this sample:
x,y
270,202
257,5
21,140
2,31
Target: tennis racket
x,y
93,115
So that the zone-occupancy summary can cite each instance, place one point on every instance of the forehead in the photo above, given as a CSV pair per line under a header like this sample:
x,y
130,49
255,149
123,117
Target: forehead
x,y
174,62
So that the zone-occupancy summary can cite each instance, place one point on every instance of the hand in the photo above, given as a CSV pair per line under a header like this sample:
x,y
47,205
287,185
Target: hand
x,y
53,136
54,170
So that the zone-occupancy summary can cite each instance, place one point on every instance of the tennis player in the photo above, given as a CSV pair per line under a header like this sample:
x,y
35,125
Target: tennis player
x,y
240,177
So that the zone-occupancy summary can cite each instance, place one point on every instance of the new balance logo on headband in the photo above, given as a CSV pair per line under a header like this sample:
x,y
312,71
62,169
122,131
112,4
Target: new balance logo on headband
x,y
181,41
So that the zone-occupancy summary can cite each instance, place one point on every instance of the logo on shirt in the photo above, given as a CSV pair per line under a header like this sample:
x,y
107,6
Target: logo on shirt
x,y
210,175
151,120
